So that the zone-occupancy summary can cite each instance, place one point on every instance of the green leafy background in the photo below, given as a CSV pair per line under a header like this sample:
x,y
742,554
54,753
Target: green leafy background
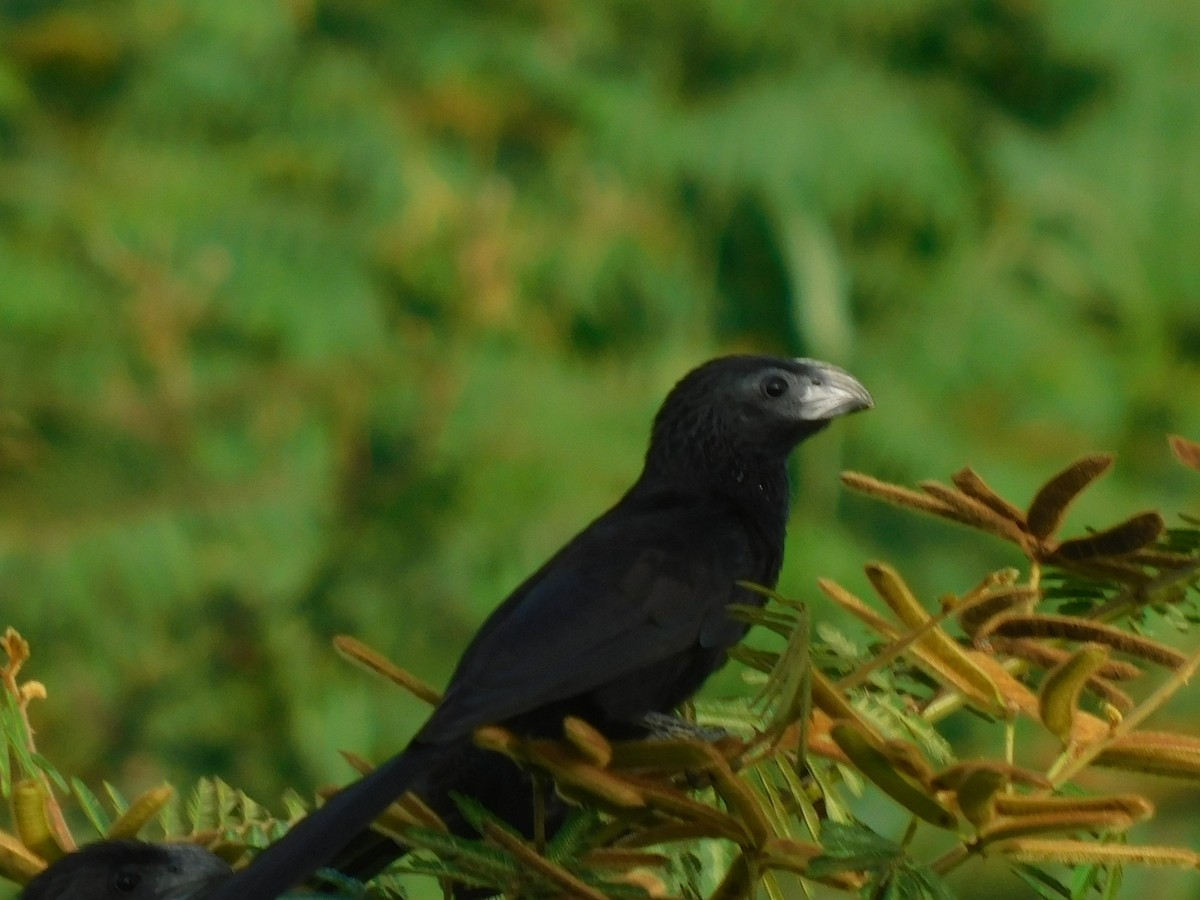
x,y
323,316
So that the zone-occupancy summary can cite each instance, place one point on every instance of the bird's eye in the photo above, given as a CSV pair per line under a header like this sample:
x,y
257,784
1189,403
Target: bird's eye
x,y
126,881
775,386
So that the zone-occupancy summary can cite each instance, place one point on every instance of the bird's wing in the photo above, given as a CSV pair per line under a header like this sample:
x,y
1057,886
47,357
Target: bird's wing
x,y
636,587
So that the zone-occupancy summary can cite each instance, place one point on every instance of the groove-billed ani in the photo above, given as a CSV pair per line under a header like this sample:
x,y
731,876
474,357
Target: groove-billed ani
x,y
630,617
130,870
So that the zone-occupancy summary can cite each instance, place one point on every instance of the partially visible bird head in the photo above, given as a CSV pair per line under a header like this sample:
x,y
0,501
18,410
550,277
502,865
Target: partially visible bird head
x,y
130,870
752,409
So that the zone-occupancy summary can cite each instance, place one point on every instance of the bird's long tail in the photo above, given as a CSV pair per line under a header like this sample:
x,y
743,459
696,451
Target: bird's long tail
x,y
318,837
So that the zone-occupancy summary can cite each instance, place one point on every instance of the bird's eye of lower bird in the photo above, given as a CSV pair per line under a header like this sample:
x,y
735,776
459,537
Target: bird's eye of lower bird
x,y
775,386
126,881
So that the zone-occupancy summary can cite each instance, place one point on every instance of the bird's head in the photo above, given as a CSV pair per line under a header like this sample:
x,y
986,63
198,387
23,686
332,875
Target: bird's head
x,y
750,410
130,870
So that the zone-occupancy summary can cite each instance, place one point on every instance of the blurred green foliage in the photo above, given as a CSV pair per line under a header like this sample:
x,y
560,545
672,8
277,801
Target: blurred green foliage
x,y
328,316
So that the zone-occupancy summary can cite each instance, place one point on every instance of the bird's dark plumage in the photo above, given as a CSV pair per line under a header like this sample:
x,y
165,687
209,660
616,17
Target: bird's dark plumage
x,y
628,618
130,870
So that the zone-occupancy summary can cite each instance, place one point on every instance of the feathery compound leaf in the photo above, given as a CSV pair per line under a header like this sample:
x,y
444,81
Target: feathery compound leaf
x,y
1043,883
204,807
252,810
18,740
1051,503
931,886
6,740
116,798
766,781
1186,451
479,816
907,882
571,839
472,862
294,806
340,887
531,859
92,808
789,687
851,840
1133,534
44,766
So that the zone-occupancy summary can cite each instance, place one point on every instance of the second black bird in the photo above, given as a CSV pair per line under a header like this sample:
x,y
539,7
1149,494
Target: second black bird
x,y
631,616
130,870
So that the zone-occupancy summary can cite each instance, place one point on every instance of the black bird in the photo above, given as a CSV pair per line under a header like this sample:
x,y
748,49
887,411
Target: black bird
x,y
630,617
130,870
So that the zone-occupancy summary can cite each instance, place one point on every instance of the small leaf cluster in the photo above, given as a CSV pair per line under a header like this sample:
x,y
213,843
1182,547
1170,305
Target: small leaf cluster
x,y
784,787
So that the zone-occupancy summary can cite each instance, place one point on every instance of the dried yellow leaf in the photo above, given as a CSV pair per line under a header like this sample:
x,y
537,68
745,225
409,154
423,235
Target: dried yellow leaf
x,y
1082,853
879,769
17,862
1065,821
1058,696
1135,806
362,655
949,661
594,746
140,812
977,793
1154,752
972,484
31,818
970,511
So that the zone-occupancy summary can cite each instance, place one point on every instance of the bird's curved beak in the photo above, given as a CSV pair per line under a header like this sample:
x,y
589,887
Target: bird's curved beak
x,y
832,392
